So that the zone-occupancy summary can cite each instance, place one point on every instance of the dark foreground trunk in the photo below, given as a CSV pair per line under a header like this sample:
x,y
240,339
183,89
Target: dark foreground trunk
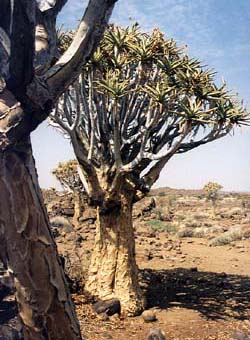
x,y
45,306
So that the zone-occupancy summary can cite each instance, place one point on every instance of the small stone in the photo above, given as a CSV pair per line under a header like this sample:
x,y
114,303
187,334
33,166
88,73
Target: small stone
x,y
109,307
149,316
150,255
156,334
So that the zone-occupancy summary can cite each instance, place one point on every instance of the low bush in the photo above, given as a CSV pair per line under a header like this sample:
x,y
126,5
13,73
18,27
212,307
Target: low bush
x,y
200,216
162,226
193,224
180,217
228,237
61,222
185,232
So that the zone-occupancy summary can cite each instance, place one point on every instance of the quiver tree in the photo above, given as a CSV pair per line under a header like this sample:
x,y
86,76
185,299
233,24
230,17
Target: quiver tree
x,y
68,176
32,77
139,101
211,191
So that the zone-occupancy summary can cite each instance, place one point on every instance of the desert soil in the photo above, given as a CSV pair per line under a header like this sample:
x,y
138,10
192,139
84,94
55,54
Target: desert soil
x,y
197,291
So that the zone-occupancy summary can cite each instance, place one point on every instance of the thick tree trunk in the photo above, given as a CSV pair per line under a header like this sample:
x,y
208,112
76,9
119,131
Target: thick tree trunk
x,y
45,306
78,208
113,272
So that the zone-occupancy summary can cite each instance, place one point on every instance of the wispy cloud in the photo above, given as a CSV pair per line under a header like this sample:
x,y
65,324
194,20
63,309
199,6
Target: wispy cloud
x,y
216,32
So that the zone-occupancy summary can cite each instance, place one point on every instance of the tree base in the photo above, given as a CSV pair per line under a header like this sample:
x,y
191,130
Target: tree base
x,y
113,273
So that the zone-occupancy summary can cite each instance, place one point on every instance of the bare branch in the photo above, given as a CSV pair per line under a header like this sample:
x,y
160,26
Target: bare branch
x,y
167,154
215,134
88,35
45,35
92,118
117,141
79,108
22,45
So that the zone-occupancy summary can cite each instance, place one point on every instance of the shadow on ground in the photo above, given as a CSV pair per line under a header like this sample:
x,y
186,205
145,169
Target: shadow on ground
x,y
214,295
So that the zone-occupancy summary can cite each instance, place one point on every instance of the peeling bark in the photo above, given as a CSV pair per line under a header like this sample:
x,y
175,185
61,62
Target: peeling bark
x,y
113,272
45,306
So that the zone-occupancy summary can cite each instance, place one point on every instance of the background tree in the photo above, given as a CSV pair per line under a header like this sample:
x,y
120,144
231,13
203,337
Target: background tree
x,y
139,101
31,80
211,190
68,176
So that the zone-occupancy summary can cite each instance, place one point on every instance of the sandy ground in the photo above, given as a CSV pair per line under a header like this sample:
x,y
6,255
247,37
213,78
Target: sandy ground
x,y
198,292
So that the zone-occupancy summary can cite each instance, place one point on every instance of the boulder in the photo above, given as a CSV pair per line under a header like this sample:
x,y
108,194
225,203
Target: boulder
x,y
149,316
109,307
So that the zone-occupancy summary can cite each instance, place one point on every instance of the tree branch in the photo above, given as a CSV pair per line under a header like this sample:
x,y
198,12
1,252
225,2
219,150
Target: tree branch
x,y
22,36
87,37
153,174
46,36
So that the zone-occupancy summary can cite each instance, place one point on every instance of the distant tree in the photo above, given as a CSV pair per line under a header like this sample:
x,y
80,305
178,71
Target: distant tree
x,y
68,176
211,190
139,101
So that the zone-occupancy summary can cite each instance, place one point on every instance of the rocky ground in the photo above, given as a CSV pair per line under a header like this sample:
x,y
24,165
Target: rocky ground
x,y
194,267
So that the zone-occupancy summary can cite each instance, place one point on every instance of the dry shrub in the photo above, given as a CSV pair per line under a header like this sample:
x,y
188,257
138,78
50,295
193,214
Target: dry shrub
x,y
158,225
228,237
180,217
246,231
232,213
200,232
60,222
193,232
185,232
200,216
193,224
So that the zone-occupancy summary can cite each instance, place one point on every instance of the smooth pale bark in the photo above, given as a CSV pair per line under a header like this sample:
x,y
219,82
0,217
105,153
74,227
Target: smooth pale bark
x,y
45,306
113,272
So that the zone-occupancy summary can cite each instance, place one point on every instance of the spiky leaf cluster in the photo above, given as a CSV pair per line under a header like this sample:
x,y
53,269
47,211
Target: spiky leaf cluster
x,y
140,99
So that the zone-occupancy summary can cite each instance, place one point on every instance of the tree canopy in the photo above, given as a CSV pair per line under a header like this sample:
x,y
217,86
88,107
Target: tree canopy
x,y
140,100
211,190
68,176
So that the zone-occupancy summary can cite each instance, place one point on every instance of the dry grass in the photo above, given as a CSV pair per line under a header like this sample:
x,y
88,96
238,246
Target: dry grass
x,y
228,237
158,225
60,222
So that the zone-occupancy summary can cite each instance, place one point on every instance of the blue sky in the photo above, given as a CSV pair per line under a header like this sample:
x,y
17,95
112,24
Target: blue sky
x,y
215,31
